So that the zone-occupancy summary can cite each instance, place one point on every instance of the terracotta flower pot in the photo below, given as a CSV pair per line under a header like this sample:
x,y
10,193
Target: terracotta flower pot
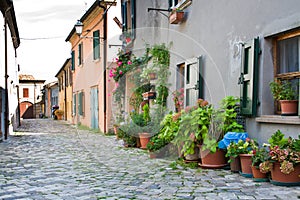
x,y
246,165
289,107
258,176
235,164
279,178
176,17
213,160
144,139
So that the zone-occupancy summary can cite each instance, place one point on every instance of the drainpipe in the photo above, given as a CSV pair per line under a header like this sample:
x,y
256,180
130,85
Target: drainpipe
x,y
65,91
6,117
104,62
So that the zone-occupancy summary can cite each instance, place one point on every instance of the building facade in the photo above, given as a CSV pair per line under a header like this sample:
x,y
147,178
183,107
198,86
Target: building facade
x,y
30,96
64,77
9,42
89,60
50,94
225,48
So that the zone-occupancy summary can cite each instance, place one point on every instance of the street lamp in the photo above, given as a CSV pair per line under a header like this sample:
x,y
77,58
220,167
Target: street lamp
x,y
78,27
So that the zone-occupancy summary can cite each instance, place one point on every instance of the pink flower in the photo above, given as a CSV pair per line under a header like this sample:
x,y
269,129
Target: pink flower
x,y
129,62
119,63
120,72
109,95
117,84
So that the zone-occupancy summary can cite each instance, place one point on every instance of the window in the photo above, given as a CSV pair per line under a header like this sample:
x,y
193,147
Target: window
x,y
81,103
287,59
189,77
25,92
70,77
80,53
128,16
96,45
73,60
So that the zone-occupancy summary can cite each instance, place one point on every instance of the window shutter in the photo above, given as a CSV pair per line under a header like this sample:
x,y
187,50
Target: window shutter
x,y
96,46
200,81
133,18
80,54
249,78
124,16
80,103
74,104
73,60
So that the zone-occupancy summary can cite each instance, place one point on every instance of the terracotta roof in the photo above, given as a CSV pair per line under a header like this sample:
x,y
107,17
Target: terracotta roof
x,y
26,77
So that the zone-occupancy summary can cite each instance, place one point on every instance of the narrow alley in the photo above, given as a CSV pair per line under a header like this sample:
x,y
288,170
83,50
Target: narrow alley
x,y
50,159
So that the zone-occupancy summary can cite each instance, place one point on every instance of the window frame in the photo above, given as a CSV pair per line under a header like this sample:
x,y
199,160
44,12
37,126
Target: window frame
x,y
25,90
96,45
276,56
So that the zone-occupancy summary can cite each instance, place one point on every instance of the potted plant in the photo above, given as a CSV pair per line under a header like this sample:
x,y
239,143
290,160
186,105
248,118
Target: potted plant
x,y
233,152
286,95
59,114
194,123
261,164
285,153
223,120
245,150
155,146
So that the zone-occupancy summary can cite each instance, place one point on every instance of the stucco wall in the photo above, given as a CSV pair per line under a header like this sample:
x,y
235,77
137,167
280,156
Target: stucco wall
x,y
215,30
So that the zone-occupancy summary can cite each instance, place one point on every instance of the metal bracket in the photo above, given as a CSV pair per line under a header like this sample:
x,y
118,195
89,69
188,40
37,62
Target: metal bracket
x,y
160,10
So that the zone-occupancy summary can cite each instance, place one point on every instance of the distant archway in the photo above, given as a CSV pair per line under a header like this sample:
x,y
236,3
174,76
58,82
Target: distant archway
x,y
26,110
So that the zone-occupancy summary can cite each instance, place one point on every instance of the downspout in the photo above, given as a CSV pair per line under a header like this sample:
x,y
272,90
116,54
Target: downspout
x,y
104,62
65,91
6,120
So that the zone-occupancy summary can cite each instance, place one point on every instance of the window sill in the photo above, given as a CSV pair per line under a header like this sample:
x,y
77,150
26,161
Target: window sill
x,y
278,119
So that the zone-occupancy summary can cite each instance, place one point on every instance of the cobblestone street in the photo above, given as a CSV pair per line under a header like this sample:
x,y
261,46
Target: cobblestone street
x,y
48,159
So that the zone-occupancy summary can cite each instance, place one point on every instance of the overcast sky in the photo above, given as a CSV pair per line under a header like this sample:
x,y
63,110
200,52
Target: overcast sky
x,y
43,27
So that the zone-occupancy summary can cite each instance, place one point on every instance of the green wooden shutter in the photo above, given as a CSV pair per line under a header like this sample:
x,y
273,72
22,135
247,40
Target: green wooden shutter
x,y
73,60
80,54
200,81
74,104
80,103
124,16
133,18
96,44
249,78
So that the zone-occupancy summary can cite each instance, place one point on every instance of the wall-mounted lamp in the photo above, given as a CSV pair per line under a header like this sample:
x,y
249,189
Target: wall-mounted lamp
x,y
79,27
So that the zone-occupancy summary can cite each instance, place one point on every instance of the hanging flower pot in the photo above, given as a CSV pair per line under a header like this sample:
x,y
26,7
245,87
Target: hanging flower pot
x,y
152,76
176,17
149,95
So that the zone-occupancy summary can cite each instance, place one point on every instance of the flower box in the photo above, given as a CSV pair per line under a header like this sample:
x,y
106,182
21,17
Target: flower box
x,y
176,17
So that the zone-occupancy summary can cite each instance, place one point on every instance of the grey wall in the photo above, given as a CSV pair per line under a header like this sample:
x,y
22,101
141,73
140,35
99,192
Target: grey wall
x,y
215,29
